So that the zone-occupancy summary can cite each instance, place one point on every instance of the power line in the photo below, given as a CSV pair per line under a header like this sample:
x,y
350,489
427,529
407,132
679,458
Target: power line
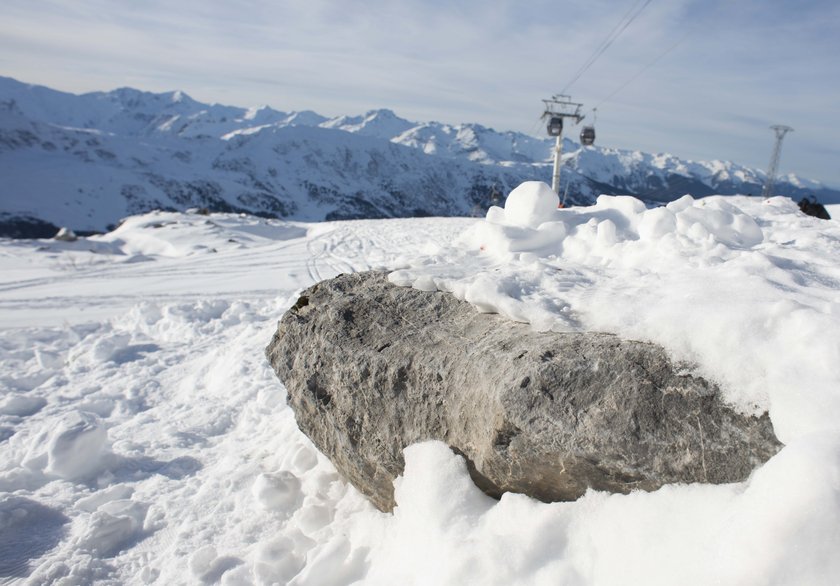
x,y
601,47
644,69
619,28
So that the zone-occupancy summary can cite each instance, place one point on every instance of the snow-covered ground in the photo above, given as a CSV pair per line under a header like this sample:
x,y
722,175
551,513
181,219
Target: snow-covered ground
x,y
146,440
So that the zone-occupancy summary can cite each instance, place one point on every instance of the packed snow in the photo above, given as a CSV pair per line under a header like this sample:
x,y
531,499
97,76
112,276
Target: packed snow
x,y
146,440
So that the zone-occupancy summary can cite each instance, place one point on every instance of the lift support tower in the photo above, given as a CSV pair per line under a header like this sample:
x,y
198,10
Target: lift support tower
x,y
557,108
780,131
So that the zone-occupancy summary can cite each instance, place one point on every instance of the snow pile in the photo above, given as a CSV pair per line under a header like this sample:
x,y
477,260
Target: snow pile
x,y
146,440
778,528
72,448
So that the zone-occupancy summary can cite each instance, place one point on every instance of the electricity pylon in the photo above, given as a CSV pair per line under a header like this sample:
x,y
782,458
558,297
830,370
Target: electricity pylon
x,y
557,108
780,131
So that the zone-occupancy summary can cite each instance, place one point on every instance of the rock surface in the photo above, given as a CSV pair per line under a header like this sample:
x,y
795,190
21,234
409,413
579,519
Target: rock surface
x,y
371,368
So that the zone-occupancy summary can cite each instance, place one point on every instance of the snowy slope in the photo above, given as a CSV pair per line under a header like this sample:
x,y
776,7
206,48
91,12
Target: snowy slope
x,y
146,440
86,161
477,143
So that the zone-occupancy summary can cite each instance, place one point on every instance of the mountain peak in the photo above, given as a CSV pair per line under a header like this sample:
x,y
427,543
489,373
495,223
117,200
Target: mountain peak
x,y
132,98
305,118
383,113
381,123
178,96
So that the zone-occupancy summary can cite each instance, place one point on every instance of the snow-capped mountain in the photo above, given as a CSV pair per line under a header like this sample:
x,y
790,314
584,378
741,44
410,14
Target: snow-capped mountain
x,y
85,161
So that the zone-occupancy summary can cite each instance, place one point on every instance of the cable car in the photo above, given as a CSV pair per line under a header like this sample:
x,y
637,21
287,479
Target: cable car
x,y
555,126
587,136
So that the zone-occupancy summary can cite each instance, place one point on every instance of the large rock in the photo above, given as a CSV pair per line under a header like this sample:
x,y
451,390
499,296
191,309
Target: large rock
x,y
371,368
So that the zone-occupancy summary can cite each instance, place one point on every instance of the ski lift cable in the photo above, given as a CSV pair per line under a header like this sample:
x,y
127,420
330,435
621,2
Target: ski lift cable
x,y
643,70
602,46
621,30
536,124
622,25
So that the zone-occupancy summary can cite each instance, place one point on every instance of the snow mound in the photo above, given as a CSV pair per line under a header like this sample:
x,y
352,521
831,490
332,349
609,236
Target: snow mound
x,y
531,222
641,538
72,448
529,205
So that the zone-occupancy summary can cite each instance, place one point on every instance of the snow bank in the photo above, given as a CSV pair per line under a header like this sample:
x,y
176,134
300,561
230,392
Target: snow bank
x,y
780,529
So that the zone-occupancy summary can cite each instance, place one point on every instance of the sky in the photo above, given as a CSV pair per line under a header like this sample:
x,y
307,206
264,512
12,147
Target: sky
x,y
701,79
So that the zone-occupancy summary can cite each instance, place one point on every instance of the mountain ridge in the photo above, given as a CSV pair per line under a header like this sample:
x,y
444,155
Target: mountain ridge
x,y
87,160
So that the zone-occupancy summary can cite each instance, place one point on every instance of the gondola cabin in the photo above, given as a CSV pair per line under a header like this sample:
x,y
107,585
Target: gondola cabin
x,y
555,126
587,136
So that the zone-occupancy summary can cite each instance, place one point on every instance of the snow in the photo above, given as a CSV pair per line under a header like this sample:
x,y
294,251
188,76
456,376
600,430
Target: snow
x,y
477,143
146,440
377,123
530,204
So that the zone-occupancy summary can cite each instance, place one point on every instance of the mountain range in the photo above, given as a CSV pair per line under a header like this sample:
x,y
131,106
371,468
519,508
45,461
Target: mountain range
x,y
85,161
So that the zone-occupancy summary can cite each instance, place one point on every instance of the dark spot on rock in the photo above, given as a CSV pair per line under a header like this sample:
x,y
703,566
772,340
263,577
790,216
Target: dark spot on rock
x,y
636,429
353,430
323,397
302,302
505,435
401,382
321,394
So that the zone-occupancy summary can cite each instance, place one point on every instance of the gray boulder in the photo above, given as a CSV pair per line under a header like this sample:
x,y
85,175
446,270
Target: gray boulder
x,y
371,368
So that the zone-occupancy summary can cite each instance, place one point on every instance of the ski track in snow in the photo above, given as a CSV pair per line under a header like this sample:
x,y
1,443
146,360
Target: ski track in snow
x,y
145,440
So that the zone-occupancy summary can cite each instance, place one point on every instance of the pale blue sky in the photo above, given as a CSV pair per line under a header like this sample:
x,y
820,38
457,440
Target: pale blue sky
x,y
733,69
